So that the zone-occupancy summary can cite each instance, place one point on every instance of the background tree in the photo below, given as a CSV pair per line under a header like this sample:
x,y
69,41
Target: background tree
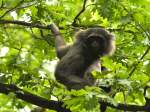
x,y
27,55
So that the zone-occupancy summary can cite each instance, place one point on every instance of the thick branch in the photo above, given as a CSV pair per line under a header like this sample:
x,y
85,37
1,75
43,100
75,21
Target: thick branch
x,y
57,105
31,98
127,107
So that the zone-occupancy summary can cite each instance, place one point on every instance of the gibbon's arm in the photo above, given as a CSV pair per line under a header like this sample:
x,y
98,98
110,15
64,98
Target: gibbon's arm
x,y
60,45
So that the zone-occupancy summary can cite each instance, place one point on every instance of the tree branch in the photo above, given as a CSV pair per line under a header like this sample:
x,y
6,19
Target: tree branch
x,y
31,25
77,16
142,57
38,25
57,105
10,10
31,98
128,107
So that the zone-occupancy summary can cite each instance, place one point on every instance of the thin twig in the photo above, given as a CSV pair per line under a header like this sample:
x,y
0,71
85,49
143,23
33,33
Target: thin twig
x,y
27,5
82,10
10,10
145,53
31,25
38,25
2,4
142,57
148,48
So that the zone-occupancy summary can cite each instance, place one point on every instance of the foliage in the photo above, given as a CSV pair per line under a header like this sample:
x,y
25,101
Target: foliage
x,y
27,55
